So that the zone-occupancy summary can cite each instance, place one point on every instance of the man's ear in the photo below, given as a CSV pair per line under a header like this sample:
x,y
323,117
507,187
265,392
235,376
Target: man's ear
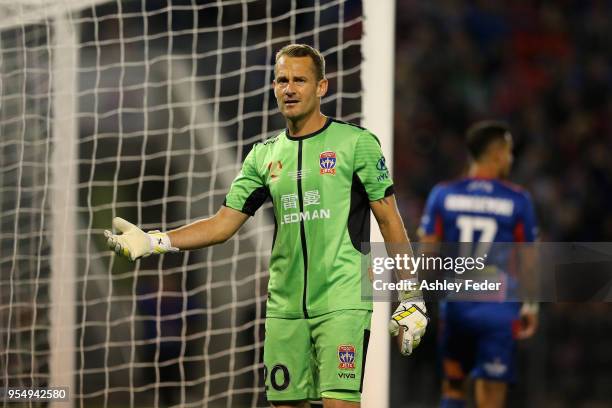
x,y
497,151
322,87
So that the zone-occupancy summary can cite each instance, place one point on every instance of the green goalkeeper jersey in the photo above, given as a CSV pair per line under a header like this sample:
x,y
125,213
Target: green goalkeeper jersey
x,y
321,186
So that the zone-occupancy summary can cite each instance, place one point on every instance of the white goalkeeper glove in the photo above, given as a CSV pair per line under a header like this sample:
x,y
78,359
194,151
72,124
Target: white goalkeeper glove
x,y
409,322
134,243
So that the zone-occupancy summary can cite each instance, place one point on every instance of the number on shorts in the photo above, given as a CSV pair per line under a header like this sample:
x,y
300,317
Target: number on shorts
x,y
286,378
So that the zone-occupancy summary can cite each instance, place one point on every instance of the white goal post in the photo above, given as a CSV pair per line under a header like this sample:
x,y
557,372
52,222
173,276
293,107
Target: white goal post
x,y
377,76
146,110
62,345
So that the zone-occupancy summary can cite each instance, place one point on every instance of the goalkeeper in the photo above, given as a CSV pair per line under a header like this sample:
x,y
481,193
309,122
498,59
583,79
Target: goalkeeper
x,y
323,177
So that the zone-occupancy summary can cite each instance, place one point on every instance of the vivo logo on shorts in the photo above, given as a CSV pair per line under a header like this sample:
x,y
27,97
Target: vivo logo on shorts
x,y
347,376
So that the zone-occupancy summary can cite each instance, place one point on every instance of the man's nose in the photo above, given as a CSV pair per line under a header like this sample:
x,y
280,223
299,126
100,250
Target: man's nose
x,y
289,89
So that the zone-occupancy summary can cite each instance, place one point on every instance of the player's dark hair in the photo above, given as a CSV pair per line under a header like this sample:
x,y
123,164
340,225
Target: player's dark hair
x,y
482,134
304,50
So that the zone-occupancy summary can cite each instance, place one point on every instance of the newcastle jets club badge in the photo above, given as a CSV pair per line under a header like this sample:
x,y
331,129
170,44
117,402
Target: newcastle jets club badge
x,y
327,161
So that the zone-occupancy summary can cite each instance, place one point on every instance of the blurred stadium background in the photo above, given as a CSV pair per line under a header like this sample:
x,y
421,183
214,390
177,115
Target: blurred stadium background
x,y
171,96
546,68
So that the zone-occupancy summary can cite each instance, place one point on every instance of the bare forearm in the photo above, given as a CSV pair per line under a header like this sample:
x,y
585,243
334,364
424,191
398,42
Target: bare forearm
x,y
209,231
389,221
393,231
198,234
397,243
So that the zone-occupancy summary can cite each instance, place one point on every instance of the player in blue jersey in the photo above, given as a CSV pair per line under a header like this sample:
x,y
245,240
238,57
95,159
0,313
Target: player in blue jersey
x,y
478,338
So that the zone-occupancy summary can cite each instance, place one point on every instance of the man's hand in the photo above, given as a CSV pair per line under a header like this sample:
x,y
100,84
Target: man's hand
x,y
408,322
529,320
134,243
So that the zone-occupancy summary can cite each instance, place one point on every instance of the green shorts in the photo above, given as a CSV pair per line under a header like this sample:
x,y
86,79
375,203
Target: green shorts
x,y
323,356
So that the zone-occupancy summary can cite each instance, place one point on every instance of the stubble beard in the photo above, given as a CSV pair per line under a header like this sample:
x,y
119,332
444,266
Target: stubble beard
x,y
298,116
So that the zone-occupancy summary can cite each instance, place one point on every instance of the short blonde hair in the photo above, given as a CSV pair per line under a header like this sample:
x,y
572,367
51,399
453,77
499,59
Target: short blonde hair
x,y
304,50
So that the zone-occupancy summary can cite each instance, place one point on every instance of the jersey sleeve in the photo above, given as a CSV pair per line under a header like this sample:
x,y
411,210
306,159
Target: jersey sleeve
x,y
248,191
526,229
371,168
431,221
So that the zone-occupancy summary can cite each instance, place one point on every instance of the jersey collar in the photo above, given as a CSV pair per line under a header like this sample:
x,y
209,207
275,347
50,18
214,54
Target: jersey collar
x,y
328,122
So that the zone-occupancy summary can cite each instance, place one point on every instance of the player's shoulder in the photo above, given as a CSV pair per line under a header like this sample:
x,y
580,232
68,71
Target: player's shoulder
x,y
511,186
513,189
441,190
271,140
353,130
266,144
348,125
261,150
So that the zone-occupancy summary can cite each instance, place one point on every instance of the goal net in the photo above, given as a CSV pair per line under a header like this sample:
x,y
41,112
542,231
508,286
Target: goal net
x,y
144,110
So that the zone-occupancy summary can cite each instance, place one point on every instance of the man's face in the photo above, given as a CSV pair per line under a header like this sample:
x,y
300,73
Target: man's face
x,y
296,87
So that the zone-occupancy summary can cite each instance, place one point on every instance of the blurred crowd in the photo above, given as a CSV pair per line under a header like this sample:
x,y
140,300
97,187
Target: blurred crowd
x,y
545,67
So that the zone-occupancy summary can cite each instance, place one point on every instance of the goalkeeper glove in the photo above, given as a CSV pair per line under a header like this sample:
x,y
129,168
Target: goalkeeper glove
x,y
409,322
134,243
